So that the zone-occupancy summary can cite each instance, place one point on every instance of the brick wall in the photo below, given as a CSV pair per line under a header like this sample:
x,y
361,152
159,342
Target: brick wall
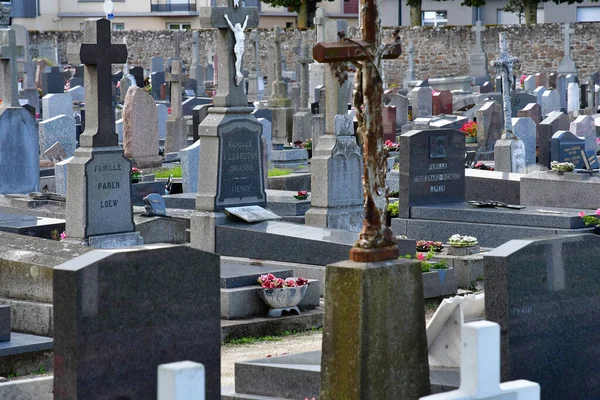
x,y
439,52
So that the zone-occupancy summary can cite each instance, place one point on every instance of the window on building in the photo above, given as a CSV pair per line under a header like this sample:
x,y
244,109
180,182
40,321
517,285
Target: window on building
x,y
434,18
508,18
179,26
289,25
118,26
588,14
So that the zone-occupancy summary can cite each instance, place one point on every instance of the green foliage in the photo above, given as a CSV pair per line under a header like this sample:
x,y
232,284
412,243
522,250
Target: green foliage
x,y
279,172
270,338
394,209
165,173
49,63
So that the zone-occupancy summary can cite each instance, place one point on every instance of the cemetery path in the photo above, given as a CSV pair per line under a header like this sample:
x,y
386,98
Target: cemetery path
x,y
232,353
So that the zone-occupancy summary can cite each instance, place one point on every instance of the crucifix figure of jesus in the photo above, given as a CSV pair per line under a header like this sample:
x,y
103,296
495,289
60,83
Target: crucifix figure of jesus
x,y
238,49
376,242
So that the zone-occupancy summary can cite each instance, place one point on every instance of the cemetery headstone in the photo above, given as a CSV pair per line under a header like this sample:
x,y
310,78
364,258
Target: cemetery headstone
x,y
401,104
176,138
53,81
280,103
421,101
541,79
409,75
99,208
529,83
140,129
256,85
59,129
57,104
533,111
18,131
573,99
539,93
550,102
196,70
442,102
525,129
77,94
489,125
566,147
566,65
552,80
139,312
190,167
554,122
585,127
478,65
523,279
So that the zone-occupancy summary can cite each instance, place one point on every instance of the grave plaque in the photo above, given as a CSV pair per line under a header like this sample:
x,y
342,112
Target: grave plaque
x,y
241,179
252,213
435,176
543,293
566,147
108,194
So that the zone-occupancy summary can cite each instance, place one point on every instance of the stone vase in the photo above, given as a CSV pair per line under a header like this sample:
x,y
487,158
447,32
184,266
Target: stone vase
x,y
283,298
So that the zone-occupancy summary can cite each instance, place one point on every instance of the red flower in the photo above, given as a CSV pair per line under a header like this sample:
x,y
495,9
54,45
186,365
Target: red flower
x,y
302,193
301,281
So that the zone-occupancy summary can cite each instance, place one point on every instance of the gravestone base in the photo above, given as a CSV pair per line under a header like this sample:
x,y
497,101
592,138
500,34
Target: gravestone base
x,y
351,367
289,159
302,125
99,193
147,162
282,124
509,156
20,152
346,218
116,241
203,228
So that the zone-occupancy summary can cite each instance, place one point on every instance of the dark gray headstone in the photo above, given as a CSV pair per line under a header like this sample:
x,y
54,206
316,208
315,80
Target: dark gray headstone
x,y
554,122
119,314
240,181
4,323
158,78
432,168
566,147
53,81
542,292
517,101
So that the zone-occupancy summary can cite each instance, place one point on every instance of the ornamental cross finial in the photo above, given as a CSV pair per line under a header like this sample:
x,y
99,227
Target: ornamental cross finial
x,y
505,64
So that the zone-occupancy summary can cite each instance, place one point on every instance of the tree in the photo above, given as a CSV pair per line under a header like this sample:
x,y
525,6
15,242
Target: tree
x,y
304,8
516,7
415,8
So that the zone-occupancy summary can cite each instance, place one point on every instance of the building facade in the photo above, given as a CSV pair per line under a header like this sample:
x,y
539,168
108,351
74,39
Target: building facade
x,y
46,15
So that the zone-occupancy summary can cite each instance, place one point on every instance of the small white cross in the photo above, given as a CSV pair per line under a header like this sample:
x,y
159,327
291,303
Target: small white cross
x,y
480,369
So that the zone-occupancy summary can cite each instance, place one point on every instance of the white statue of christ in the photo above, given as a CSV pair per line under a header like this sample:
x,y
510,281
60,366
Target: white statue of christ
x,y
238,49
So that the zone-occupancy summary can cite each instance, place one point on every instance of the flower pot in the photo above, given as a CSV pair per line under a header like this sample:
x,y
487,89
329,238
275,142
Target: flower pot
x,y
300,197
135,180
464,245
597,230
471,139
309,151
284,297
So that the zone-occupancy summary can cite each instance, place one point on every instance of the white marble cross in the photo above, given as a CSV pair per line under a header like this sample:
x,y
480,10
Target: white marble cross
x,y
478,28
568,31
480,369
505,64
9,51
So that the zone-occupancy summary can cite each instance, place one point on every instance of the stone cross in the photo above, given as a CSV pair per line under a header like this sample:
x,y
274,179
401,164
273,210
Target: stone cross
x,y
506,63
98,54
319,22
478,29
568,31
278,65
195,41
376,241
411,56
255,62
228,94
9,51
175,78
177,46
304,59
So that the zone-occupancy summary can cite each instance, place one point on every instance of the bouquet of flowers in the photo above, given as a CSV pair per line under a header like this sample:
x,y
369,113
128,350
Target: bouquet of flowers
x,y
591,219
270,281
423,245
391,146
462,241
302,195
469,129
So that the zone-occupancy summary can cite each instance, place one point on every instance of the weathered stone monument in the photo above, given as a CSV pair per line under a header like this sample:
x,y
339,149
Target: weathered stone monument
x,y
140,129
316,69
302,123
99,210
196,70
231,147
509,151
478,65
256,85
280,103
363,357
567,65
19,155
176,134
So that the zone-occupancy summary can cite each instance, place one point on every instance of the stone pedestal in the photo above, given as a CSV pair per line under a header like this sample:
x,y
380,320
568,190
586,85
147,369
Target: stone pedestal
x,y
302,125
369,353
176,138
283,124
509,156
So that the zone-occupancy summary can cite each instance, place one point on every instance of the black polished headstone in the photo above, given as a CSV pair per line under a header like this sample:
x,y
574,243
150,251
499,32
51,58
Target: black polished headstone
x,y
432,168
543,293
138,74
29,108
240,179
119,314
566,147
53,81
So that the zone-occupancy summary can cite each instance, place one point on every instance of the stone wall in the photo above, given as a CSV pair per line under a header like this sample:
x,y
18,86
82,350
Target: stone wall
x,y
439,52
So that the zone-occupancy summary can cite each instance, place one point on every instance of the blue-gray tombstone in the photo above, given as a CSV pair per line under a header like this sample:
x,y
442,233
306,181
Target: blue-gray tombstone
x,y
566,147
98,178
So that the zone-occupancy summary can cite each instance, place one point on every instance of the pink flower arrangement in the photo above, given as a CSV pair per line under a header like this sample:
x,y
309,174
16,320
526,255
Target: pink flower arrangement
x,y
590,219
270,281
522,80
391,146
63,236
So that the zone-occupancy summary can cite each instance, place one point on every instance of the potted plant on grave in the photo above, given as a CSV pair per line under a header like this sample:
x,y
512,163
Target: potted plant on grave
x,y
282,294
308,146
136,175
592,220
393,211
462,241
302,195
426,245
562,167
469,129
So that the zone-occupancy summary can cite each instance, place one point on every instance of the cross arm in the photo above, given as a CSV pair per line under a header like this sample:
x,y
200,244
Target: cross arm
x,y
5,52
350,51
214,17
90,54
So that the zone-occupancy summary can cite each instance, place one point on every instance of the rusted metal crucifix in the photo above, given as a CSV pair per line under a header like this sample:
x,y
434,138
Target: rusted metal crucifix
x,y
376,241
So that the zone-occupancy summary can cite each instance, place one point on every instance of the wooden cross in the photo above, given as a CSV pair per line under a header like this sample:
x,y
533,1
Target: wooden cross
x,y
376,241
98,54
176,78
228,93
9,51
